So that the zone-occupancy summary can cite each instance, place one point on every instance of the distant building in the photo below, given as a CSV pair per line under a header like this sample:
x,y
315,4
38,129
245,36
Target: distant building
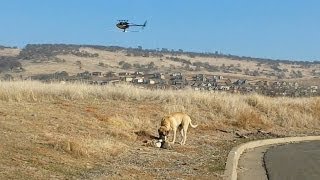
x,y
96,74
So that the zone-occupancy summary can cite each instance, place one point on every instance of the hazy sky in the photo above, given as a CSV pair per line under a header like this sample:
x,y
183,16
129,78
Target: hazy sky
x,y
278,29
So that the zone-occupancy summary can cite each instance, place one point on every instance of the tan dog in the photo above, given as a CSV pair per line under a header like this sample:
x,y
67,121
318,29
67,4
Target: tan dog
x,y
175,121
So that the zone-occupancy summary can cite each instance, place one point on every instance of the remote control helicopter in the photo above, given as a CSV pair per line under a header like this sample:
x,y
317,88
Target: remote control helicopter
x,y
125,24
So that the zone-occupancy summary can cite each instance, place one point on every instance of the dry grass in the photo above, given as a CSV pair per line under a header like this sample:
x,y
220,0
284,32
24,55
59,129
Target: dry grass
x,y
72,130
302,112
9,52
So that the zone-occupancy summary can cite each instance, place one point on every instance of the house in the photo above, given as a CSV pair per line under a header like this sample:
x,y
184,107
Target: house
x,y
159,76
152,81
217,77
138,80
155,76
240,82
110,74
177,82
313,89
200,77
211,79
138,73
175,74
85,74
128,79
224,88
122,74
176,77
96,74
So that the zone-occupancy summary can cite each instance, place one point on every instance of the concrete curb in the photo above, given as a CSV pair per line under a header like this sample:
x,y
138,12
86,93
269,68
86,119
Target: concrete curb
x,y
230,172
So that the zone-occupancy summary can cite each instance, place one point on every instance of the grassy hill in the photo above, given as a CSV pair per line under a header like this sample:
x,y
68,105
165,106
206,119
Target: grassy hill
x,y
50,58
79,131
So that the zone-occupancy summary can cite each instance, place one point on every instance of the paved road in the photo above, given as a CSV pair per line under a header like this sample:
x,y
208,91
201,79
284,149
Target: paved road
x,y
250,166
299,161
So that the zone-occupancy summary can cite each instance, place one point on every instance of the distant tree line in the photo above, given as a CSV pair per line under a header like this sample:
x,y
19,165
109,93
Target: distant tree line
x,y
7,47
39,51
139,51
63,75
32,51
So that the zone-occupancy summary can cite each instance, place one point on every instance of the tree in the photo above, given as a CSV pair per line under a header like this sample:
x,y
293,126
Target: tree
x,y
164,50
151,65
247,71
126,66
8,77
281,75
78,63
255,73
136,65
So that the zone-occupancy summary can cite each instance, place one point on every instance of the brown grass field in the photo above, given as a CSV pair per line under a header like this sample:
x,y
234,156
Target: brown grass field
x,y
111,61
9,52
78,131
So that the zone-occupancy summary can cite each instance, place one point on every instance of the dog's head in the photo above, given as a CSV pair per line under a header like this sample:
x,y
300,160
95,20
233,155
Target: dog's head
x,y
163,133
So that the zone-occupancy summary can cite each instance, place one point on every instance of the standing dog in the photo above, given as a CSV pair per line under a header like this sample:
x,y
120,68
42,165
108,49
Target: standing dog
x,y
175,121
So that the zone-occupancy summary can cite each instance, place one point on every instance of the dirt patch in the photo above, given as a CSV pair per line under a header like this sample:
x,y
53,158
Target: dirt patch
x,y
144,136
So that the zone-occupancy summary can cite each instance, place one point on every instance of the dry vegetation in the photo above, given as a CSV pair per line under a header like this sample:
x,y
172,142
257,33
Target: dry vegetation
x,y
9,52
72,131
110,61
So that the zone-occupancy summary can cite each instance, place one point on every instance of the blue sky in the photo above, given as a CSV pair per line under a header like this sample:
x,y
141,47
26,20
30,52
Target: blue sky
x,y
278,29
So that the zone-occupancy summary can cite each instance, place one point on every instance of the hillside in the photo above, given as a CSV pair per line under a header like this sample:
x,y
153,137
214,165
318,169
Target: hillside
x,y
40,59
9,51
74,130
79,131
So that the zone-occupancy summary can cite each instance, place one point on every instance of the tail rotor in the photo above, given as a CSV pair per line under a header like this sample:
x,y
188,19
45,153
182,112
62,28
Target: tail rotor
x,y
144,24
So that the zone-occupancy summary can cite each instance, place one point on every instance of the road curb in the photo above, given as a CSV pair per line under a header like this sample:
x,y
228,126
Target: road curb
x,y
230,172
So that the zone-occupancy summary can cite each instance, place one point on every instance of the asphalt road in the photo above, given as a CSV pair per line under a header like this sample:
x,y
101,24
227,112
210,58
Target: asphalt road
x,y
250,166
299,161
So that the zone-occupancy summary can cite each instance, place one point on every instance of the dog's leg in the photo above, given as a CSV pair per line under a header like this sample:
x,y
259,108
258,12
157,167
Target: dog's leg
x,y
182,136
174,135
185,129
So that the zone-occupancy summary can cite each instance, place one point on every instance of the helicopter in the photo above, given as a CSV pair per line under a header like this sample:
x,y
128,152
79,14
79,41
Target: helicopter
x,y
124,25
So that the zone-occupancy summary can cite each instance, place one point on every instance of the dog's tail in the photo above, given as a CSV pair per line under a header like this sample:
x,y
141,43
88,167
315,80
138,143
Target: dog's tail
x,y
193,126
